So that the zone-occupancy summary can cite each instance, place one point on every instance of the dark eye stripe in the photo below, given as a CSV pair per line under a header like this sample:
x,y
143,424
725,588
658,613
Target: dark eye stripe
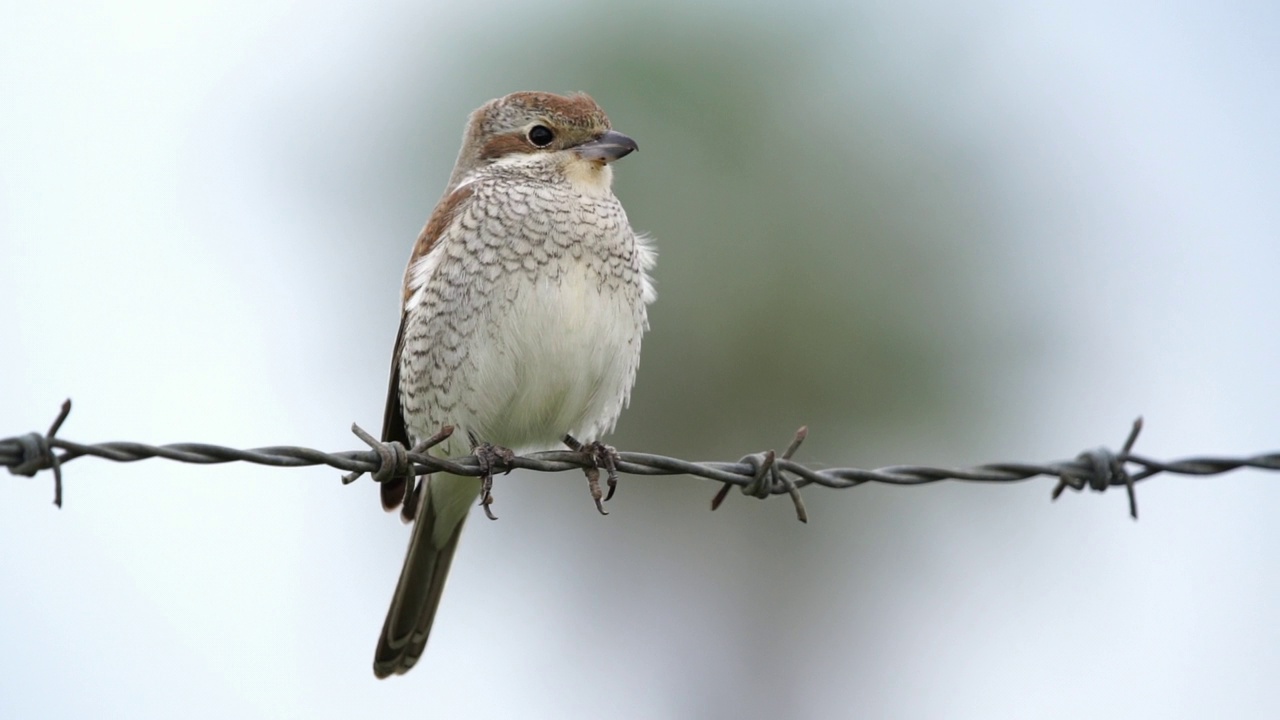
x,y
503,145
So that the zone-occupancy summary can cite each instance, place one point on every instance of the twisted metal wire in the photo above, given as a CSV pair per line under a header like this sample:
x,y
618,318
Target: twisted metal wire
x,y
758,474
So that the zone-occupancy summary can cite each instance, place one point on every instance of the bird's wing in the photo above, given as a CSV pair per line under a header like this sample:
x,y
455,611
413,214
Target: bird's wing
x,y
394,427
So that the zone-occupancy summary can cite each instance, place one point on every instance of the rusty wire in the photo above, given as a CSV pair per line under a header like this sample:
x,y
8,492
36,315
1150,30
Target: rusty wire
x,y
758,474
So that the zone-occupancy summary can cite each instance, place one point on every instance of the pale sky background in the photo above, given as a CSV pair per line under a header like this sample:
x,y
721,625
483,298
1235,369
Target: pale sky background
x,y
935,234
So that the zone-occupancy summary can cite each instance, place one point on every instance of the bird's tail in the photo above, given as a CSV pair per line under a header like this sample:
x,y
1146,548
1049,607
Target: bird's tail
x,y
443,506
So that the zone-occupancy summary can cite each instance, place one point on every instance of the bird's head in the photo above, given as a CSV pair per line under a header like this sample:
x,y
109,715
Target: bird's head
x,y
543,134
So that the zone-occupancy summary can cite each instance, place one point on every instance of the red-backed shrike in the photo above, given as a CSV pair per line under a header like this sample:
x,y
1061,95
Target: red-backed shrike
x,y
524,307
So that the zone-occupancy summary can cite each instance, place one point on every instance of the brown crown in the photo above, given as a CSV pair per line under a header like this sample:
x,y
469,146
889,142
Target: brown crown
x,y
577,110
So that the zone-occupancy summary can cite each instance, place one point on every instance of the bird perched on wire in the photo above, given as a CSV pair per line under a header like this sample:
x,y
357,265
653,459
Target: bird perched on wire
x,y
523,310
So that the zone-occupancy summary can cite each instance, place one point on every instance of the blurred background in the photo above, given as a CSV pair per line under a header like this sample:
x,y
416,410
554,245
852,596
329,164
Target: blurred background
x,y
936,235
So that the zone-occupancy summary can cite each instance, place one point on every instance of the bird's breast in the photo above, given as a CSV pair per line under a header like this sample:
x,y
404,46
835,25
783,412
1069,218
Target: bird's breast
x,y
529,322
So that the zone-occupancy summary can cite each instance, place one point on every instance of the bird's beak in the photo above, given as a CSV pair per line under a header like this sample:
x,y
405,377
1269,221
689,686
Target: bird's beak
x,y
607,148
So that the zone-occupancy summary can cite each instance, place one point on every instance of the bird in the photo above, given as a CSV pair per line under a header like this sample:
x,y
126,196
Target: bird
x,y
523,310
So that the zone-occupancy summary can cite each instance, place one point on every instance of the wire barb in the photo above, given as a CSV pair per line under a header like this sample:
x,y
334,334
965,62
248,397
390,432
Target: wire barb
x,y
393,459
764,464
35,453
1105,470
758,474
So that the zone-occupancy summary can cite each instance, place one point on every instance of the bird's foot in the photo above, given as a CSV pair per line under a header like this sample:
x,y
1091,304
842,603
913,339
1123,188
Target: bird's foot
x,y
491,457
601,456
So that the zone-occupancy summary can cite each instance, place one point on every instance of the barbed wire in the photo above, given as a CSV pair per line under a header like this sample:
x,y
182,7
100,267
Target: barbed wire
x,y
759,474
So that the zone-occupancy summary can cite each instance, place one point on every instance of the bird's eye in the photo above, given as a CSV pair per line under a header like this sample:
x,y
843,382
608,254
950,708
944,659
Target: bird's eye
x,y
541,135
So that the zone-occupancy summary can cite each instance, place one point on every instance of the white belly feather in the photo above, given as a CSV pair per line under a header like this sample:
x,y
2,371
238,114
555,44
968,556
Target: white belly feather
x,y
560,359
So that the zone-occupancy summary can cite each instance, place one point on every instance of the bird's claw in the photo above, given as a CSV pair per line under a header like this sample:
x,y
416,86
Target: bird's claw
x,y
490,457
601,456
